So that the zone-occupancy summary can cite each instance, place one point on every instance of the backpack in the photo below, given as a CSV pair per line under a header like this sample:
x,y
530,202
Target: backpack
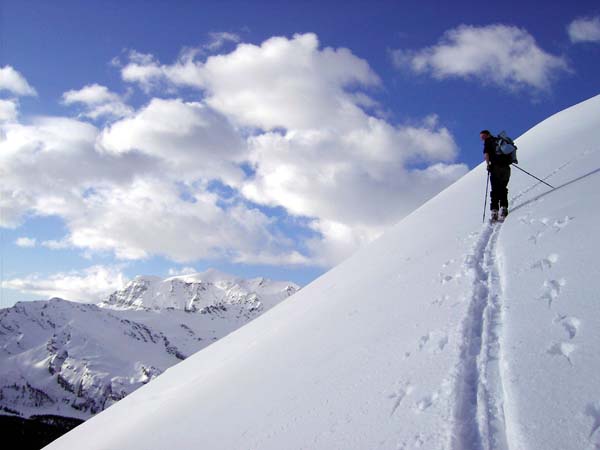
x,y
506,146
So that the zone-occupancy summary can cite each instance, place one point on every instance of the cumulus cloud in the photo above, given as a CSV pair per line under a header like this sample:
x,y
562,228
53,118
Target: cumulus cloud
x,y
8,110
48,166
584,29
91,285
147,71
287,83
283,125
92,94
99,102
26,242
187,136
327,174
283,82
13,82
504,55
150,217
319,154
129,203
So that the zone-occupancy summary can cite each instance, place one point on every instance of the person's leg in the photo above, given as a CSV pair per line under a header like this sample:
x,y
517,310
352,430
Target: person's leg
x,y
503,178
496,187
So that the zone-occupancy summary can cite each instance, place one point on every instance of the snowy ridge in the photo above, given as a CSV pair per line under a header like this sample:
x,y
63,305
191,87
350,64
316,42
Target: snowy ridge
x,y
199,292
440,335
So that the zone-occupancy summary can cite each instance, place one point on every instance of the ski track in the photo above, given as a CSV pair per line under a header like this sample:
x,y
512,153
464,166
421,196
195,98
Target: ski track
x,y
479,400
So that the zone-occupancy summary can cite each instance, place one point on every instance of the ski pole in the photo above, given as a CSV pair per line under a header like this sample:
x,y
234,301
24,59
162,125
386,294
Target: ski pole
x,y
487,185
533,176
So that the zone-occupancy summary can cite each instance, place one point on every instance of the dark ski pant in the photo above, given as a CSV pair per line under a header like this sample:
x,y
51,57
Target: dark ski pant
x,y
499,176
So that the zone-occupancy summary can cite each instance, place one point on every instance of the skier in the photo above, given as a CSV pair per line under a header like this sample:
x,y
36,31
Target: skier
x,y
498,165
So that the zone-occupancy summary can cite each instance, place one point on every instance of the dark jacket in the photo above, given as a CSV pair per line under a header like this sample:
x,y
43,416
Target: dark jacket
x,y
496,160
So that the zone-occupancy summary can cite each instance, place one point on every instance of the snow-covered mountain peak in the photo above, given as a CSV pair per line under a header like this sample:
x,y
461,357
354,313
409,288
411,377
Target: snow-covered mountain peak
x,y
197,292
209,276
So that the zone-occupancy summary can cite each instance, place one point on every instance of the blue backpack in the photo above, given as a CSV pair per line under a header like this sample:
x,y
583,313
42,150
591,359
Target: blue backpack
x,y
506,146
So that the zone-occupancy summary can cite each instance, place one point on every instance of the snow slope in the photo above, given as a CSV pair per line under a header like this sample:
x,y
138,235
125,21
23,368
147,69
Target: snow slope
x,y
442,334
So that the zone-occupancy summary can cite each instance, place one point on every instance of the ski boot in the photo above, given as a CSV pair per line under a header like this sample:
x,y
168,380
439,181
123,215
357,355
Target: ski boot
x,y
503,213
494,216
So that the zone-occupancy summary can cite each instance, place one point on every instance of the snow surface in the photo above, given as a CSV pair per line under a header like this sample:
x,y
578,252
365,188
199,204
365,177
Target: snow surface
x,y
443,334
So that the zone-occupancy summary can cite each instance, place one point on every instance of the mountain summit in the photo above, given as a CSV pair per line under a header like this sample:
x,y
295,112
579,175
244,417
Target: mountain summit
x,y
199,292
443,334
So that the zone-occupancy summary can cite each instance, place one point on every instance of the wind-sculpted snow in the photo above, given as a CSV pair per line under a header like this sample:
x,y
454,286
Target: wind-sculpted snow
x,y
75,360
445,333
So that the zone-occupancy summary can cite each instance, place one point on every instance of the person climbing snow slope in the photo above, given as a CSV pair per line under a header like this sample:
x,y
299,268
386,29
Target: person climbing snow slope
x,y
498,166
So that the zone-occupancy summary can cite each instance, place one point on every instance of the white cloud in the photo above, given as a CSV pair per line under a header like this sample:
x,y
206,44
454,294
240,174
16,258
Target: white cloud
x,y
8,110
145,70
12,81
504,55
218,39
99,102
188,137
91,285
174,272
280,124
287,83
356,184
328,174
584,29
26,242
128,203
48,166
331,155
92,94
55,244
149,217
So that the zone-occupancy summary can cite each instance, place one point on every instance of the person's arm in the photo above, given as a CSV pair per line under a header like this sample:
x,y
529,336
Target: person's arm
x,y
487,148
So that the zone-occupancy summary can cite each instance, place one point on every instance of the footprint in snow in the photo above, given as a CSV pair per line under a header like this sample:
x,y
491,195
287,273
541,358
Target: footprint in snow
x,y
593,410
426,402
526,220
557,225
535,237
570,324
564,349
440,300
447,263
398,395
433,342
545,263
560,224
445,278
419,441
552,289
423,340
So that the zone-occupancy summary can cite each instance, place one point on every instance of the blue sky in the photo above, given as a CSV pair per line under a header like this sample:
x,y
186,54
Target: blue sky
x,y
261,138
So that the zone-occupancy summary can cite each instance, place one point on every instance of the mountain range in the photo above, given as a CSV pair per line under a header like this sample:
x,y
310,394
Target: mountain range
x,y
72,360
